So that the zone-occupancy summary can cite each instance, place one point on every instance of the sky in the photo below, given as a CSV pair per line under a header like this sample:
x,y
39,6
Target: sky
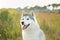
x,y
24,3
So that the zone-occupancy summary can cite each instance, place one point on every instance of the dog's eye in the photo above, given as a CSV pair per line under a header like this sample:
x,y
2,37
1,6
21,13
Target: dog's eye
x,y
27,18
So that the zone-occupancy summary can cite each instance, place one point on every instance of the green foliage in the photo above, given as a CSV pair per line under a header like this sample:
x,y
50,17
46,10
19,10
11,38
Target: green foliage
x,y
9,25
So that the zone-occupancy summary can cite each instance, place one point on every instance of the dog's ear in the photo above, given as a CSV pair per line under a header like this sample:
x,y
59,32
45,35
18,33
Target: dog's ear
x,y
32,13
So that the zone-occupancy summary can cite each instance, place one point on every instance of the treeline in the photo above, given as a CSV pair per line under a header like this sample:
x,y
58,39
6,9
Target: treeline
x,y
55,8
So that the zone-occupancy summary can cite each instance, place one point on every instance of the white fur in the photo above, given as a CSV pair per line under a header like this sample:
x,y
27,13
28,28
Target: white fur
x,y
33,32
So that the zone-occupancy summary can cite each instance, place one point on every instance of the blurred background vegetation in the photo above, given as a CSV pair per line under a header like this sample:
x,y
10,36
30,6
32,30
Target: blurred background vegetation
x,y
10,25
49,21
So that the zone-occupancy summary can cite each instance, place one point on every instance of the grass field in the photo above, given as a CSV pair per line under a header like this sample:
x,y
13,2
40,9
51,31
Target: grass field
x,y
50,24
10,28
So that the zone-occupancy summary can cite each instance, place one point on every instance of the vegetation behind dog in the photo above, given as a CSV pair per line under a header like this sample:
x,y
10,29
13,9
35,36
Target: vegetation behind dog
x,y
10,25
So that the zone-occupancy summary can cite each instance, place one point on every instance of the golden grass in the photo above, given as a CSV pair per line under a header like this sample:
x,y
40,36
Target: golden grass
x,y
50,24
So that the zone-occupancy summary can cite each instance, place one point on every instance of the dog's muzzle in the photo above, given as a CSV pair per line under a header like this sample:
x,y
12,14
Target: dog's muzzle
x,y
22,23
25,26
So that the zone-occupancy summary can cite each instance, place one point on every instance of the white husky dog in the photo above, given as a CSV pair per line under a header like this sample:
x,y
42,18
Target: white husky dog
x,y
30,28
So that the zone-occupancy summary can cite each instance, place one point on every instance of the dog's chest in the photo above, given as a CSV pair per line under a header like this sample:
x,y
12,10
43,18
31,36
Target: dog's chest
x,y
32,36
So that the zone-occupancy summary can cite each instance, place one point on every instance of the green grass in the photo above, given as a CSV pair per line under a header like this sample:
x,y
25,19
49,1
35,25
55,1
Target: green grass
x,y
10,28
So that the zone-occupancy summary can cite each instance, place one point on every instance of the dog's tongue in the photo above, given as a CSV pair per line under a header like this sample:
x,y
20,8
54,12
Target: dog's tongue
x,y
24,27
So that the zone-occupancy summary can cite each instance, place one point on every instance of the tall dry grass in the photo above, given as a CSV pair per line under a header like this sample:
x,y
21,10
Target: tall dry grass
x,y
50,24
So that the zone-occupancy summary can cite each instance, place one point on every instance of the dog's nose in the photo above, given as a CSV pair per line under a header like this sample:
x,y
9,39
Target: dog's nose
x,y
22,23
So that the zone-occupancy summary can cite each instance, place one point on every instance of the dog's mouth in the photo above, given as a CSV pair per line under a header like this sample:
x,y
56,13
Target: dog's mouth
x,y
25,26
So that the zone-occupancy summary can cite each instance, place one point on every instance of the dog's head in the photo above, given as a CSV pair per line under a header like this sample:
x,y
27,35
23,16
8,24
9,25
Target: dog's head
x,y
26,20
